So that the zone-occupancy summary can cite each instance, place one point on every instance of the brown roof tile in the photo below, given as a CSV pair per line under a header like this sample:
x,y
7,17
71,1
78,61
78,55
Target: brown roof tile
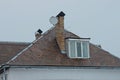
x,y
10,49
45,51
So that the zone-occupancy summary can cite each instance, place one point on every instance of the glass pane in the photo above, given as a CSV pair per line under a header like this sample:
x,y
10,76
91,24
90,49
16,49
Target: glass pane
x,y
72,48
79,49
85,49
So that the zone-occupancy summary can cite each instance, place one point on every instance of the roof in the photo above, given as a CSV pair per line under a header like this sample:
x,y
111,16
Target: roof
x,y
45,52
10,49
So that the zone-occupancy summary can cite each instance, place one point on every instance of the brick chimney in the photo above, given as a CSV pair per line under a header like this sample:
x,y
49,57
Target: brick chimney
x,y
38,33
60,32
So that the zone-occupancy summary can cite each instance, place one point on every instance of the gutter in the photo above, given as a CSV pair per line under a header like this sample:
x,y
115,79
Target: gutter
x,y
62,67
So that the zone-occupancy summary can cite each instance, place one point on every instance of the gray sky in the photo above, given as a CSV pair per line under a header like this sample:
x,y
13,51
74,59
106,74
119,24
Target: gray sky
x,y
97,19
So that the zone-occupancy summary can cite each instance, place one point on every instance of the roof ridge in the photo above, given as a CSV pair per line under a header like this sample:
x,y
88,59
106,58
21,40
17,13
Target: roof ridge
x,y
13,43
28,46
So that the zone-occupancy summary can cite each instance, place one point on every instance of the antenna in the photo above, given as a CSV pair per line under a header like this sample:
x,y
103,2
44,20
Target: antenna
x,y
53,20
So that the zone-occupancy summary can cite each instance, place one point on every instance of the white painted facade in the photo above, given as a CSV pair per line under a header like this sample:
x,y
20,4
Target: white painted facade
x,y
1,76
62,74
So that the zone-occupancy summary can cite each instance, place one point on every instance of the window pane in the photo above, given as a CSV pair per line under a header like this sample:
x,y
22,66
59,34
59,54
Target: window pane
x,y
79,49
72,48
85,49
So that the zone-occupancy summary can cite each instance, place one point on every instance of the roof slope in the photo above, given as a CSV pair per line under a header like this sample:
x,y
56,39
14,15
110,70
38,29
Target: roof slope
x,y
10,49
45,51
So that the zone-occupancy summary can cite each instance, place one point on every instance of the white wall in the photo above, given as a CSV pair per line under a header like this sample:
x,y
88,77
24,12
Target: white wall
x,y
0,76
63,74
3,76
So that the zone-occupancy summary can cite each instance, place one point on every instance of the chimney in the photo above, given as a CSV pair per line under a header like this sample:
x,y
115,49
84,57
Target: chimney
x,y
60,32
38,33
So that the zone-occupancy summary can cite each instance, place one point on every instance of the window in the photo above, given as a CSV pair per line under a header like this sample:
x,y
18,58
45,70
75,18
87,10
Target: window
x,y
78,48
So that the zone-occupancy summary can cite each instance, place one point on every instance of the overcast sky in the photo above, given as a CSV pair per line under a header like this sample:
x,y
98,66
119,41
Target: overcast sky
x,y
97,19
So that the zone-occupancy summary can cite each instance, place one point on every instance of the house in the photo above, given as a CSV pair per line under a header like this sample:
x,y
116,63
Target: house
x,y
57,55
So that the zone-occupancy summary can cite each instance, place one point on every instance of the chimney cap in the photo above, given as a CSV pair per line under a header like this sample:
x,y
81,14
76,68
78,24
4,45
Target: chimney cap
x,y
40,31
62,14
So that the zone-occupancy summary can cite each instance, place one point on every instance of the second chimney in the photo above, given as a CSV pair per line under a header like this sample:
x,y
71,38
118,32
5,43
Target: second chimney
x,y
60,32
38,33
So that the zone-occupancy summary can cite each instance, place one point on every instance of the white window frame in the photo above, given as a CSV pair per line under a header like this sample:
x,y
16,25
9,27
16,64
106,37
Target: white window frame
x,y
76,54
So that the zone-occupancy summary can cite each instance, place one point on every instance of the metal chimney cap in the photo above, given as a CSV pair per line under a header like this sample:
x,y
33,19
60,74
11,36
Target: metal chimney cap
x,y
40,31
62,14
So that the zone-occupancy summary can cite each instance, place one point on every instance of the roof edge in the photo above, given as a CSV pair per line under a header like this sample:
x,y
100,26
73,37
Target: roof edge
x,y
28,47
105,51
63,67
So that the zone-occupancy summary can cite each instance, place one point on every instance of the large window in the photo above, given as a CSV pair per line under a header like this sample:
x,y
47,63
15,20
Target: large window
x,y
78,48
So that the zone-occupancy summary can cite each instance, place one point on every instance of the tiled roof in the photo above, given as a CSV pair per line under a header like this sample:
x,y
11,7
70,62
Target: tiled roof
x,y
45,51
10,49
